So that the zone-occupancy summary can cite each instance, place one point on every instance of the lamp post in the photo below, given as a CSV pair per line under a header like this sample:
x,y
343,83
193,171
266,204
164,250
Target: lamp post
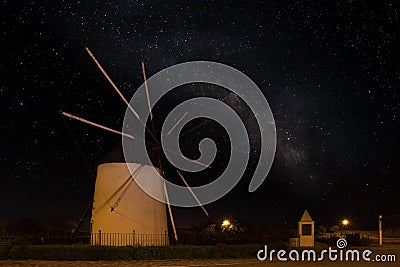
x,y
380,230
225,227
345,222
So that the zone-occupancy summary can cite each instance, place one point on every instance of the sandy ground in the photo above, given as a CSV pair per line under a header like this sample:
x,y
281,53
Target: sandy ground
x,y
387,250
192,263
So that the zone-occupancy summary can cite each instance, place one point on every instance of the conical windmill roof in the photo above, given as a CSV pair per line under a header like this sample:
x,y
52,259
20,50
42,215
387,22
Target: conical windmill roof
x,y
306,217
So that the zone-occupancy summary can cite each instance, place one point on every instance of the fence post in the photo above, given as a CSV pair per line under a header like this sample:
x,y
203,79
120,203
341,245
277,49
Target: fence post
x,y
133,238
100,237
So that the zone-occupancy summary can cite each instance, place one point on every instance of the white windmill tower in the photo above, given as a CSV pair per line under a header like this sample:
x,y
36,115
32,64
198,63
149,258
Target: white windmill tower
x,y
123,214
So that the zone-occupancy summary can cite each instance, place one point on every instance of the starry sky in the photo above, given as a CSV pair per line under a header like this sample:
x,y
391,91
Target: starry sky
x,y
330,71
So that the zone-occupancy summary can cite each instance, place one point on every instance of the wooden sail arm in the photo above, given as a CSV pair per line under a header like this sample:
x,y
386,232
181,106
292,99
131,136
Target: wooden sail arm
x,y
193,194
112,83
96,124
119,93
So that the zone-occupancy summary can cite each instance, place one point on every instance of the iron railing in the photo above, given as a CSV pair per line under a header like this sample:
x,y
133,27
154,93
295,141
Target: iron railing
x,y
128,239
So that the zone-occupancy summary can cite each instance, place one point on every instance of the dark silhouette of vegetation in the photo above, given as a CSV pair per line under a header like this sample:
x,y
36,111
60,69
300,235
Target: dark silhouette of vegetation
x,y
85,252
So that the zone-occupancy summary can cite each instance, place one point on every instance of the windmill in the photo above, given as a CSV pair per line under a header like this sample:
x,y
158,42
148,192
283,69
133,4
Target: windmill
x,y
122,213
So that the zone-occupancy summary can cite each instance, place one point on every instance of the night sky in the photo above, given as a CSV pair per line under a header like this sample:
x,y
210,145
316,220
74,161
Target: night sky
x,y
330,71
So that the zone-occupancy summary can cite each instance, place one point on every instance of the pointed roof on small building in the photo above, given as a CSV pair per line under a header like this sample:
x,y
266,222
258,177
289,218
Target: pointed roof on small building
x,y
306,217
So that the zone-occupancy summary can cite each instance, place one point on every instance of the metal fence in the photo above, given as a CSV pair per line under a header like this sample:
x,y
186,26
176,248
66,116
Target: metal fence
x,y
44,239
129,239
184,238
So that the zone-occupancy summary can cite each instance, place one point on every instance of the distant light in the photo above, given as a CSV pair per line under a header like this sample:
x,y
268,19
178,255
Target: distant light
x,y
226,223
345,222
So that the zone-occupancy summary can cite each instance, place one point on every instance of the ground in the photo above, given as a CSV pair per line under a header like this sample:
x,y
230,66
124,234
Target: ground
x,y
386,250
182,263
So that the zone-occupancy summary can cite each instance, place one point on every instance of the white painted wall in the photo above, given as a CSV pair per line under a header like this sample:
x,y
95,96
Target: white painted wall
x,y
136,212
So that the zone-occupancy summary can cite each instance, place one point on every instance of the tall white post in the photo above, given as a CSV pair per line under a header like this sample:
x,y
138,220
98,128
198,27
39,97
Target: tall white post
x,y
380,230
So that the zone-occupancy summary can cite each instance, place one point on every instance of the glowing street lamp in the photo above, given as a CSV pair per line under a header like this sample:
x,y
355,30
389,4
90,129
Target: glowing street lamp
x,y
345,222
226,223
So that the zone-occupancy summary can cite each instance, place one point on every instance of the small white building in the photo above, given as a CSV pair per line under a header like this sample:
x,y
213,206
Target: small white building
x,y
306,230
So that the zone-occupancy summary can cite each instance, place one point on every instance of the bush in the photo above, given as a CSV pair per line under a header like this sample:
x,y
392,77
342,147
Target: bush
x,y
93,253
18,252
353,240
5,252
